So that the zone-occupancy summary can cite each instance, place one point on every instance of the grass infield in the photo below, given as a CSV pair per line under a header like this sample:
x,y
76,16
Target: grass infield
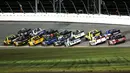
x,y
91,59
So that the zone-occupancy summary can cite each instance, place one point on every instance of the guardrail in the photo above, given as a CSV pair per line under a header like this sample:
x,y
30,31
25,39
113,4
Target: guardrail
x,y
62,17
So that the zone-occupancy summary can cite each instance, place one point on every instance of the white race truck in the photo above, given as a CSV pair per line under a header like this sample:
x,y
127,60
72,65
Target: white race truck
x,y
72,41
36,31
97,40
78,34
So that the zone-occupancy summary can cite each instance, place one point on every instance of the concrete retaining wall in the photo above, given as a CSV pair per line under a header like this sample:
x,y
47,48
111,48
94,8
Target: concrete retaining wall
x,y
62,17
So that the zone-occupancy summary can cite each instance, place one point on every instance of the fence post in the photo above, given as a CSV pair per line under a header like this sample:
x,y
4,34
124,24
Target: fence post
x,y
9,7
95,8
1,10
64,7
74,6
31,6
127,8
105,7
36,6
21,8
42,6
88,5
54,7
116,7
99,7
84,6
60,6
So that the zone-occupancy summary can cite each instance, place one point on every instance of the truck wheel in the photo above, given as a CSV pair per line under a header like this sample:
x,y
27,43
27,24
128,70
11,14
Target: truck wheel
x,y
43,45
108,43
86,39
54,44
29,45
15,45
4,44
124,41
90,44
66,45
119,31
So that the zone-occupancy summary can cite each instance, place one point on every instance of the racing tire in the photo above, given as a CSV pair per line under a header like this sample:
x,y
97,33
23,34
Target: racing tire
x,y
124,41
54,45
14,44
100,32
108,43
66,45
29,45
86,39
90,44
119,31
4,44
44,44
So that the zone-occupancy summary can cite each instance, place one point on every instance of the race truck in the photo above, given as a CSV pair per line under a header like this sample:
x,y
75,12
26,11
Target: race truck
x,y
22,40
50,31
78,34
24,32
35,40
60,41
71,41
111,32
10,39
49,40
65,32
97,40
37,31
115,39
92,34
63,36
43,32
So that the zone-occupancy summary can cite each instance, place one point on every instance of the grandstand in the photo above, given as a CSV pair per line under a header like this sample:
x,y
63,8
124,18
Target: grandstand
x,y
110,7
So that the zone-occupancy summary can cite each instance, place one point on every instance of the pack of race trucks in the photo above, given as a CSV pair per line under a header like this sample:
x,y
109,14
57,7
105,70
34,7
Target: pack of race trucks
x,y
45,37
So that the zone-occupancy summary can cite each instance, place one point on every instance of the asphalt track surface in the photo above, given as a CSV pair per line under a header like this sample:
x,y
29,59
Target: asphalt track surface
x,y
7,28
